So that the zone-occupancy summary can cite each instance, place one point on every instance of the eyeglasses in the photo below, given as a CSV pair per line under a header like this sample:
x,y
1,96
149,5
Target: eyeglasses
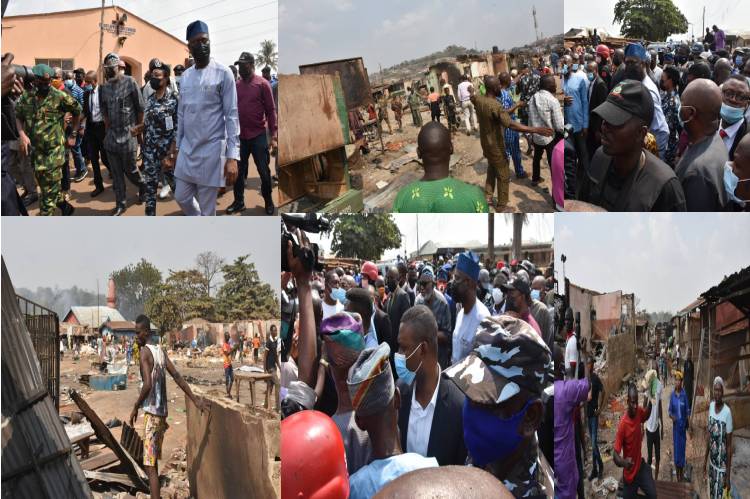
x,y
730,95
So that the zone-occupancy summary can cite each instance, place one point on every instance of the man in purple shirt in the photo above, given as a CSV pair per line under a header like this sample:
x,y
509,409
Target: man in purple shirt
x,y
719,38
569,395
256,107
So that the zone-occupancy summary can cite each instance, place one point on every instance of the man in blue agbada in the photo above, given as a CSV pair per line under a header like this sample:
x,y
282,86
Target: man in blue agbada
x,y
207,119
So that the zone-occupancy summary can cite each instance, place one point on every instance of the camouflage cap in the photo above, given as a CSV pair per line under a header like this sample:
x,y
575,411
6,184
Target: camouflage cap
x,y
370,381
508,355
43,71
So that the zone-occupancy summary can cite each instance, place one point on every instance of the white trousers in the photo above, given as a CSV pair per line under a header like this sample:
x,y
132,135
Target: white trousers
x,y
196,200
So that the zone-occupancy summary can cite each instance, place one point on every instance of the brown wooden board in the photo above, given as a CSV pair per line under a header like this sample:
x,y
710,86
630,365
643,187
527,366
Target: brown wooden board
x,y
133,468
308,110
100,460
354,79
102,476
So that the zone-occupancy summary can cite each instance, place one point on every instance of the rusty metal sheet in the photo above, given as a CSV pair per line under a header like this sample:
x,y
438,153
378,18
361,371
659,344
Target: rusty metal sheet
x,y
354,79
312,124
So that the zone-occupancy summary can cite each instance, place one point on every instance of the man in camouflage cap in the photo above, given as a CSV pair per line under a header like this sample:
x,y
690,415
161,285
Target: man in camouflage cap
x,y
376,401
40,117
503,379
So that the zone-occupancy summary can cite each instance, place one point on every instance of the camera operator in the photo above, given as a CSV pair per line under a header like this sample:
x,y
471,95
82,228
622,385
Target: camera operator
x,y
12,87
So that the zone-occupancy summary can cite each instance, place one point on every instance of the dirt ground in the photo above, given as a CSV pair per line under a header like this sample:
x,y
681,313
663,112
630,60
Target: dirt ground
x,y
118,404
695,449
104,203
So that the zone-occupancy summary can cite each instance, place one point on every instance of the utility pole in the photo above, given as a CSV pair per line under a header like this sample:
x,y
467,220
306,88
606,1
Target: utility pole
x,y
418,247
703,30
491,236
99,72
536,26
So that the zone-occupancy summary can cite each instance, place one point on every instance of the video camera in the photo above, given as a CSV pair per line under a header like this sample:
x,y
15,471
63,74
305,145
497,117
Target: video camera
x,y
23,72
309,222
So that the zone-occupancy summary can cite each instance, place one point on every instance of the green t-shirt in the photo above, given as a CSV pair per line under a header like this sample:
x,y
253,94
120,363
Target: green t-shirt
x,y
446,195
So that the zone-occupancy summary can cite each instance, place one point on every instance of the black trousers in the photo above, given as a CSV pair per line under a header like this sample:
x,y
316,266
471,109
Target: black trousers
x,y
643,481
536,174
653,442
95,149
258,147
583,159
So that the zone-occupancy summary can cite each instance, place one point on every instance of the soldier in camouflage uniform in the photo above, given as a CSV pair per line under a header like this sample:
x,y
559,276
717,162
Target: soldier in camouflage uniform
x,y
159,128
503,379
39,116
415,102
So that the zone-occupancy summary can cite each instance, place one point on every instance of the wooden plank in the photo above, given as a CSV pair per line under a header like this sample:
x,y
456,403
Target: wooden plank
x,y
102,432
102,476
673,490
312,124
102,459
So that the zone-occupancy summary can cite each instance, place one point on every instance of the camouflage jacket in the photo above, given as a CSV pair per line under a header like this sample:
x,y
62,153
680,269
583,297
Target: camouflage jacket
x,y
43,123
160,126
531,476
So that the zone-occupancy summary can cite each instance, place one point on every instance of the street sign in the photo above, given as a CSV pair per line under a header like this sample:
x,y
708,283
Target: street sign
x,y
112,28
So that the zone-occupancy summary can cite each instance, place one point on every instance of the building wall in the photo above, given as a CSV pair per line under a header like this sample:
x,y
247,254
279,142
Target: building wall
x,y
580,301
21,36
620,360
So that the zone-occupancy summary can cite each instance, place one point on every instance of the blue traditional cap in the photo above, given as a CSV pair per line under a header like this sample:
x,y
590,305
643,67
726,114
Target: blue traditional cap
x,y
468,263
427,271
196,27
635,50
668,57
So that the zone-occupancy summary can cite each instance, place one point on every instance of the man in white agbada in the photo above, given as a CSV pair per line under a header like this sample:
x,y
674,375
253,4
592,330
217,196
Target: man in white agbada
x,y
207,119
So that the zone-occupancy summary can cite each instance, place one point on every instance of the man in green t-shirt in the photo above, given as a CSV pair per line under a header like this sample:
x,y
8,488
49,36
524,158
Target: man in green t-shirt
x,y
437,192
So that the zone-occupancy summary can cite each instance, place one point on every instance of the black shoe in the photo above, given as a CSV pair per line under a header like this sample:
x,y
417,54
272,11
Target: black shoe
x,y
119,210
30,199
66,208
235,208
270,208
99,189
80,177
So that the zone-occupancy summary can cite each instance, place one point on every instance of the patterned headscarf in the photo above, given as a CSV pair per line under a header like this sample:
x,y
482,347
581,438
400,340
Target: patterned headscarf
x,y
370,381
342,333
508,355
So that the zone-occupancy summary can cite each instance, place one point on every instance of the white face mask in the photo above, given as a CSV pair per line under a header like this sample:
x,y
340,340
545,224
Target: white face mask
x,y
497,295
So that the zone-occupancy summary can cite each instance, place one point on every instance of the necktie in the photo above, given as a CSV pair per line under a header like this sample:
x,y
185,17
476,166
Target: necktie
x,y
722,134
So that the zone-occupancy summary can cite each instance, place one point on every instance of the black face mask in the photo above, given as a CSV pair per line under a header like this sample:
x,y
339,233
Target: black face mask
x,y
155,83
42,89
109,72
245,72
661,86
201,52
392,286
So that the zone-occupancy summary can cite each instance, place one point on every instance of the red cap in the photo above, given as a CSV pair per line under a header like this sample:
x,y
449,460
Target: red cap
x,y
370,270
513,263
313,462
500,265
602,50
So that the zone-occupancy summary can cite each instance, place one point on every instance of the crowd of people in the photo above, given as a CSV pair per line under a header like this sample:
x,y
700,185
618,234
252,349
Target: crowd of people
x,y
412,366
500,109
193,127
658,128
580,396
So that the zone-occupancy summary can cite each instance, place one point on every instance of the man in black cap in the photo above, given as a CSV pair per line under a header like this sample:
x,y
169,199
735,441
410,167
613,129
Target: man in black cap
x,y
623,175
206,118
503,379
256,110
122,108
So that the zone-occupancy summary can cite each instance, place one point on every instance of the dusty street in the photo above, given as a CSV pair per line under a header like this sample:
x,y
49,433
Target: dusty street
x,y
104,203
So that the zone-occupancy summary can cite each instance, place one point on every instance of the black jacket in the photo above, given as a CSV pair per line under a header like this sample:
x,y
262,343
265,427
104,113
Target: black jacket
x,y
598,96
398,303
446,442
383,333
740,133
87,107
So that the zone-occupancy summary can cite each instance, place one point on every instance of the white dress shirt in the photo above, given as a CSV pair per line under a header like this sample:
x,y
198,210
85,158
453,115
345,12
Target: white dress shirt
x,y
96,113
466,329
420,422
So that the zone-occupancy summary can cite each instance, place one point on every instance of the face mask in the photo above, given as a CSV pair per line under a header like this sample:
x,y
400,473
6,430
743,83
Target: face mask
x,y
731,114
403,372
392,286
244,72
155,83
109,72
575,67
487,286
490,438
565,69
738,61
88,87
535,294
338,294
591,76
679,118
42,89
70,83
497,295
201,52
177,79
730,184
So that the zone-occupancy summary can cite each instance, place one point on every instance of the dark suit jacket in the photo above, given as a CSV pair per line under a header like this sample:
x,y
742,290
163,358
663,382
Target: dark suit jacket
x,y
446,443
397,304
598,95
740,133
383,332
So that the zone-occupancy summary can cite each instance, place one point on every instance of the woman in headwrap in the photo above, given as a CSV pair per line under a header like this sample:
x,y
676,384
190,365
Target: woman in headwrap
x,y
719,445
679,411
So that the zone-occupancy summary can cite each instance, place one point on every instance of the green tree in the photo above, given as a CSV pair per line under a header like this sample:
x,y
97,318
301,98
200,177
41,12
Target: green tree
x,y
268,56
244,295
652,20
180,298
364,236
134,285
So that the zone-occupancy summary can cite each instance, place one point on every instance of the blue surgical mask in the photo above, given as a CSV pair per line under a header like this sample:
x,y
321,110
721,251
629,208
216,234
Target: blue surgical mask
x,y
404,374
738,60
730,184
590,76
731,114
535,294
490,438
565,69
338,294
575,67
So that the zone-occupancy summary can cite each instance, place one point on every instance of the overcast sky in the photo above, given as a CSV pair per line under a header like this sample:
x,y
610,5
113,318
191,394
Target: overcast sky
x,y
64,252
390,31
726,14
234,26
667,260
455,229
